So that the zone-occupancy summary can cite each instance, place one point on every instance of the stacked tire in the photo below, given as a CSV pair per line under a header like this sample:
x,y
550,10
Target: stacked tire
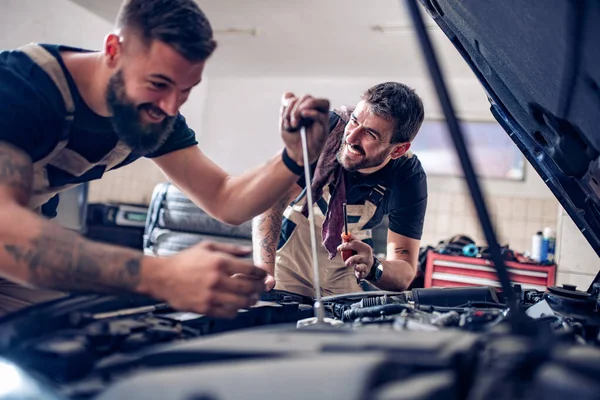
x,y
175,223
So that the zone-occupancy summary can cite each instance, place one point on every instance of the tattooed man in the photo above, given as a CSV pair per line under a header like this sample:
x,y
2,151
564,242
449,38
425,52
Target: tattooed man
x,y
366,163
68,115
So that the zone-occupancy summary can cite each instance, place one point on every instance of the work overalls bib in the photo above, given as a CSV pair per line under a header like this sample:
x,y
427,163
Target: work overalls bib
x,y
293,262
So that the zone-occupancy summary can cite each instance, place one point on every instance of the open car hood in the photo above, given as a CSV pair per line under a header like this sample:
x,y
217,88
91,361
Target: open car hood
x,y
539,64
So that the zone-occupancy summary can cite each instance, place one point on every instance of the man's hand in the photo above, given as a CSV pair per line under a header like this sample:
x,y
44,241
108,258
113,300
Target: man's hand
x,y
269,279
209,278
304,111
362,261
269,282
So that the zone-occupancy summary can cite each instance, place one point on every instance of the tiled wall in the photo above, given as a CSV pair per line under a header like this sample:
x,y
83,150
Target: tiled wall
x,y
516,218
578,262
131,184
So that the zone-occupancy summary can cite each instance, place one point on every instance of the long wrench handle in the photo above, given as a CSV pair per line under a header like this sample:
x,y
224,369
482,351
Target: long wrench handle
x,y
319,311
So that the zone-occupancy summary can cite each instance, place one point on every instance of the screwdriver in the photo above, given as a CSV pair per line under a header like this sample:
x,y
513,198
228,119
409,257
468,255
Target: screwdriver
x,y
318,306
346,254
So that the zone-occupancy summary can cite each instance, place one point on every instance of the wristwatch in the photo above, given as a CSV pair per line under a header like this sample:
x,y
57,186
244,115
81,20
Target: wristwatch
x,y
376,271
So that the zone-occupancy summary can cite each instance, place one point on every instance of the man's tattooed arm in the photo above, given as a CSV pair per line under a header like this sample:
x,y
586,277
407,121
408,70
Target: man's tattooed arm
x,y
42,253
266,229
16,173
60,259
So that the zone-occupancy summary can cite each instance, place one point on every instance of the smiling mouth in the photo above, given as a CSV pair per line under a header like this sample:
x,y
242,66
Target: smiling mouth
x,y
154,114
353,150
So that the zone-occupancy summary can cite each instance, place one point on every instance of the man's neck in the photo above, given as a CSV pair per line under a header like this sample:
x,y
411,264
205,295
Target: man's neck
x,y
91,77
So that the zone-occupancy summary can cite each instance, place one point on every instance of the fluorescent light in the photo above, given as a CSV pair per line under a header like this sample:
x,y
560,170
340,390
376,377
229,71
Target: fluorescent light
x,y
237,31
399,29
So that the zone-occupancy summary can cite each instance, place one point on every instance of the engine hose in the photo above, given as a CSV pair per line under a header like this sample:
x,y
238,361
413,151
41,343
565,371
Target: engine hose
x,y
442,309
378,301
376,311
373,301
481,304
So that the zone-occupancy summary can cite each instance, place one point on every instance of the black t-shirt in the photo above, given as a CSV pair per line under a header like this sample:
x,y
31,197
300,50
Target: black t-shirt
x,y
405,200
32,118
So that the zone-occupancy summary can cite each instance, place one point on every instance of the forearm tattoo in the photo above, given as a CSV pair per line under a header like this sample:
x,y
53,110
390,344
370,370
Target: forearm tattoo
x,y
16,170
55,257
268,227
62,260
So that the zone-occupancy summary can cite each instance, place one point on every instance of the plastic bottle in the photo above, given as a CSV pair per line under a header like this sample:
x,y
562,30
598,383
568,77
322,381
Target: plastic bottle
x,y
536,246
548,246
470,250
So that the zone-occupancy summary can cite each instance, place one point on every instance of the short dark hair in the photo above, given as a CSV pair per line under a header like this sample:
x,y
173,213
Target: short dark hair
x,y
398,102
178,23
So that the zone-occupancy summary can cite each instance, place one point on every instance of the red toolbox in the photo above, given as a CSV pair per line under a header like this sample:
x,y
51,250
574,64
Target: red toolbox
x,y
450,271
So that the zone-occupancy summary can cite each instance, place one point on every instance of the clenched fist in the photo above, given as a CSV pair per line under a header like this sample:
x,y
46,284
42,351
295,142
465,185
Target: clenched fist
x,y
305,111
209,278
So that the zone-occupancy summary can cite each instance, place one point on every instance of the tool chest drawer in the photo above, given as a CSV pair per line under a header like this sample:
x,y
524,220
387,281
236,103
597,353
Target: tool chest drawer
x,y
450,271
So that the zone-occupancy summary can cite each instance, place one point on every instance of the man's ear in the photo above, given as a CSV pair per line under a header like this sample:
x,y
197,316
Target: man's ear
x,y
112,49
399,150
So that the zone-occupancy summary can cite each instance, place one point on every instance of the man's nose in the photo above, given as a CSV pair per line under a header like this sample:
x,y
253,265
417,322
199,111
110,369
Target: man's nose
x,y
169,104
354,135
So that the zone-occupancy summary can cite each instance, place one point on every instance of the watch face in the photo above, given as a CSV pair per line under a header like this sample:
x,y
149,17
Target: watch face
x,y
378,271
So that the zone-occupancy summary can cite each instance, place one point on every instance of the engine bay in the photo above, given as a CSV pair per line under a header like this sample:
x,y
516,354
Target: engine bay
x,y
459,340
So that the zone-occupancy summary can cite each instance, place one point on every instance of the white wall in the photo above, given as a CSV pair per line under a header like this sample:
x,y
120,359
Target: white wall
x,y
240,132
55,21
244,111
241,122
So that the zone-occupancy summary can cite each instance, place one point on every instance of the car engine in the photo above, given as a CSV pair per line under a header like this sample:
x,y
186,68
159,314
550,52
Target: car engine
x,y
422,343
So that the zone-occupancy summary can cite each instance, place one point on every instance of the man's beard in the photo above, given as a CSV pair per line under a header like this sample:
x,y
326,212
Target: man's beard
x,y
127,119
366,162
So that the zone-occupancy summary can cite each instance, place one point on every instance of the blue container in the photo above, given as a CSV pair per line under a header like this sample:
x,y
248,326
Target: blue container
x,y
470,250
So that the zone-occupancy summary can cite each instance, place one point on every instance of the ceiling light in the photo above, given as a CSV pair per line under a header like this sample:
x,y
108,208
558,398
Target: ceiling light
x,y
399,29
237,31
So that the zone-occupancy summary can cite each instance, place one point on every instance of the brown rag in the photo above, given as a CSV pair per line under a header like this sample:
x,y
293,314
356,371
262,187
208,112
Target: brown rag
x,y
329,172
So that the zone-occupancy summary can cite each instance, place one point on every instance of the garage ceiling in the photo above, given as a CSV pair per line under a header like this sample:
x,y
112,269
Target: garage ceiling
x,y
313,38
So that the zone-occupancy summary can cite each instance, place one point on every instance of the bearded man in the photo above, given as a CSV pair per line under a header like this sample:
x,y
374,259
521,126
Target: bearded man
x,y
366,163
69,115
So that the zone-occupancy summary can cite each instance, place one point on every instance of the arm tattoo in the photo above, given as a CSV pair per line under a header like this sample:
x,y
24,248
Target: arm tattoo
x,y
16,170
401,250
268,228
62,260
